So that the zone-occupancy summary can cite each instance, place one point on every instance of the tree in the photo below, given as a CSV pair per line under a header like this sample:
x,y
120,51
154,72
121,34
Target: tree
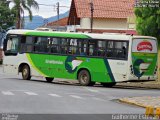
x,y
148,21
20,6
148,18
7,16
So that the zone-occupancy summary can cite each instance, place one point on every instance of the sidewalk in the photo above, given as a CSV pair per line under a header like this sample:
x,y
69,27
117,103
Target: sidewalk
x,y
149,85
143,101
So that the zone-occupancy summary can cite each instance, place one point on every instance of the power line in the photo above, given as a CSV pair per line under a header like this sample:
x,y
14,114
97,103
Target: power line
x,y
53,5
46,5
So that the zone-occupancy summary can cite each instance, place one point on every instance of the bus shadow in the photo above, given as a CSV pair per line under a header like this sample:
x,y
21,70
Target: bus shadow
x,y
57,82
97,85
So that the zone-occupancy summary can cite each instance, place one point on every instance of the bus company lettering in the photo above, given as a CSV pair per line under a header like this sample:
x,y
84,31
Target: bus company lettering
x,y
144,45
53,62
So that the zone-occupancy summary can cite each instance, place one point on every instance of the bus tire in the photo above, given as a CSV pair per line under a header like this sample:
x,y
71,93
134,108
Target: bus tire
x,y
84,78
48,79
26,75
109,84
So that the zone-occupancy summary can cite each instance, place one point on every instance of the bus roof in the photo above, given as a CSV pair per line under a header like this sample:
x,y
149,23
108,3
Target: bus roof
x,y
75,35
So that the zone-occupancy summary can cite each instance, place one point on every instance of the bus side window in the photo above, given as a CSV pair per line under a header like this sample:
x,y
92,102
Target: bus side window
x,y
29,44
12,45
82,47
55,45
64,45
73,46
109,49
116,50
92,45
41,45
120,49
22,44
101,48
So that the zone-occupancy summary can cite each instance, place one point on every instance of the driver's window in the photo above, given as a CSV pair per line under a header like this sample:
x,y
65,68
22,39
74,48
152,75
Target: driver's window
x,y
12,44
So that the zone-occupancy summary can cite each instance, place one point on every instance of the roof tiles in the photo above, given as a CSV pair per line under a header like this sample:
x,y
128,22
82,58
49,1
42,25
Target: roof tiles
x,y
61,22
105,8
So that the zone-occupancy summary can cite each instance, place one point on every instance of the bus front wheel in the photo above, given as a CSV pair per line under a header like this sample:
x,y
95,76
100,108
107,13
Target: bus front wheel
x,y
26,72
84,78
48,79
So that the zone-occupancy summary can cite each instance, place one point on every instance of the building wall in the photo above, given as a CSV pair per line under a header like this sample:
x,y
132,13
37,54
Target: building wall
x,y
118,24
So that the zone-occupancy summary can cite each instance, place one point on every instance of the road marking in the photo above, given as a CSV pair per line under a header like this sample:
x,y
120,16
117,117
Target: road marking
x,y
18,90
7,93
54,95
113,97
91,90
99,99
77,97
82,94
31,93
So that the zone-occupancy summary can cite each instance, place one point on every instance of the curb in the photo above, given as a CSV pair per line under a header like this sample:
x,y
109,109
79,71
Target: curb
x,y
143,101
132,103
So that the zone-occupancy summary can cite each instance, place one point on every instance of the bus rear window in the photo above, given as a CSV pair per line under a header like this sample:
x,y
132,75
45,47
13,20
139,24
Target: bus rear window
x,y
144,46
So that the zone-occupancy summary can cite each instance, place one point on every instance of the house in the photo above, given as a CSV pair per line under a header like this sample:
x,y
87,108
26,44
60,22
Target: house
x,y
60,25
114,16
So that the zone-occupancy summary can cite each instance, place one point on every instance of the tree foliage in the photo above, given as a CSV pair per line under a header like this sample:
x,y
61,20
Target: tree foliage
x,y
20,6
148,20
7,16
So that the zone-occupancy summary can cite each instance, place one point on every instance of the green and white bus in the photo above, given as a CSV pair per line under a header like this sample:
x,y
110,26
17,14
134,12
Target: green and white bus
x,y
86,57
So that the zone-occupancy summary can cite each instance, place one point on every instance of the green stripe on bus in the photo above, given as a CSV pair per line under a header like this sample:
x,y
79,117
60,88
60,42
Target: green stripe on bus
x,y
63,35
109,70
34,66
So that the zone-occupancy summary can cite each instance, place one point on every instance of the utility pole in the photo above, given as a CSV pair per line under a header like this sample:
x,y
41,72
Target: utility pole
x,y
57,15
92,10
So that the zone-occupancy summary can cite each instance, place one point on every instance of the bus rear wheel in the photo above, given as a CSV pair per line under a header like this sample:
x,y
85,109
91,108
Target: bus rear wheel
x,y
84,78
26,72
108,84
48,79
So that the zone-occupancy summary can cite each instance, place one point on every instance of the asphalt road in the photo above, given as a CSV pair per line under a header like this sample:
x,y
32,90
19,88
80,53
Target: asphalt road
x,y
39,97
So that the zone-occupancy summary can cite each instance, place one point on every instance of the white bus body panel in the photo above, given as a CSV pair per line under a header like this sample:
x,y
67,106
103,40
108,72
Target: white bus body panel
x,y
10,65
119,69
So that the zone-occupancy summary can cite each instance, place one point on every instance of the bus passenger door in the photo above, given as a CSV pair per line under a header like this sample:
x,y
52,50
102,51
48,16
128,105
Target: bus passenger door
x,y
10,63
117,57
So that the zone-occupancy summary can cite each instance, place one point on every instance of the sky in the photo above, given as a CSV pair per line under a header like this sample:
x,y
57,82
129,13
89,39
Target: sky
x,y
50,8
